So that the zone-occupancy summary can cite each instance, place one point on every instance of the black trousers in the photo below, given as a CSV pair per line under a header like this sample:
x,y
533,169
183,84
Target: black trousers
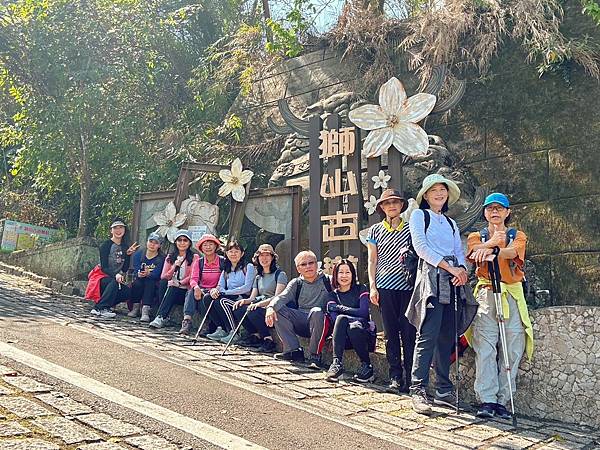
x,y
254,322
111,294
346,337
393,305
173,296
144,290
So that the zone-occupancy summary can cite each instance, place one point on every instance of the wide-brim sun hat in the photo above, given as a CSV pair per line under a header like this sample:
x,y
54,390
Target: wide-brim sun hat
x,y
265,248
391,194
497,197
184,233
208,238
436,178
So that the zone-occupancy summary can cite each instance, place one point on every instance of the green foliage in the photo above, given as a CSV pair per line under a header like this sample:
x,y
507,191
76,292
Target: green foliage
x,y
287,35
592,9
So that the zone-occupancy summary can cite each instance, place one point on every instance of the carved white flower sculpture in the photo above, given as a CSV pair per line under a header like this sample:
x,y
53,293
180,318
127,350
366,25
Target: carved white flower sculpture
x,y
412,205
370,206
381,180
234,181
169,221
394,121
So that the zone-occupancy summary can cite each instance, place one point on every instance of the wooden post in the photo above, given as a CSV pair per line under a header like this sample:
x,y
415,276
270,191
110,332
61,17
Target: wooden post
x,y
334,204
314,213
356,202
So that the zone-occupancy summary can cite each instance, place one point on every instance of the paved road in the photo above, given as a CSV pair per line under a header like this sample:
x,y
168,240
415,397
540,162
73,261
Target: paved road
x,y
192,397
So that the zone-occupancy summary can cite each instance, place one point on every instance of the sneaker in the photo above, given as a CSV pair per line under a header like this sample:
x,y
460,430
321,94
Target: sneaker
x,y
217,335
225,339
268,346
292,355
135,311
186,327
420,402
95,312
314,362
446,399
365,373
107,314
145,313
250,341
396,385
502,412
336,369
486,410
158,322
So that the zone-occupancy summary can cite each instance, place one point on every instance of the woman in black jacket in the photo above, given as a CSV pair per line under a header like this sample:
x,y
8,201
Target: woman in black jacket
x,y
114,262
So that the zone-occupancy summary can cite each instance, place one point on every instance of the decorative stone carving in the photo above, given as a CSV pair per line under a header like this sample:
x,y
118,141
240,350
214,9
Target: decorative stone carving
x,y
201,213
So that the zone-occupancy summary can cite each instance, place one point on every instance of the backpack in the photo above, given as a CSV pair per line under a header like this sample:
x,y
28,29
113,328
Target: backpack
x,y
408,255
277,273
221,264
511,234
294,303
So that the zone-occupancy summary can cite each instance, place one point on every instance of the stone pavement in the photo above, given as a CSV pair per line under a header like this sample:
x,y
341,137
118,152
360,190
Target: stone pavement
x,y
364,407
33,416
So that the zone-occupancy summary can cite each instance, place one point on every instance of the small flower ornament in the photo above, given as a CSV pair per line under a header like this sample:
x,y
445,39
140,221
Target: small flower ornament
x,y
169,221
381,180
234,181
394,121
371,205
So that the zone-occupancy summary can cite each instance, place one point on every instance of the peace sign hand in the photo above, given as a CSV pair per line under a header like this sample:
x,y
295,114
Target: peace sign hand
x,y
131,250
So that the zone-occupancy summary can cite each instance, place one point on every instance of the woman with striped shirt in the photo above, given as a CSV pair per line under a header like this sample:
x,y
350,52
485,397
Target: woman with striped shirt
x,y
389,288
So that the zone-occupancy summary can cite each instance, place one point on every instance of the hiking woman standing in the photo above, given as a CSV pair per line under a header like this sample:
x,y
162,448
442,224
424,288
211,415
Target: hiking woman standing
x,y
440,279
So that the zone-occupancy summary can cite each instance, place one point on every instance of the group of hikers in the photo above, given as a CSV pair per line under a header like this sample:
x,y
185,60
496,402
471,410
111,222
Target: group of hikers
x,y
417,275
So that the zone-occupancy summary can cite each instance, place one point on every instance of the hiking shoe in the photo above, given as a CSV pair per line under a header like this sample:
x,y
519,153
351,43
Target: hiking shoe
x,y
158,322
145,313
268,346
135,311
251,341
365,373
396,385
336,369
446,399
186,327
292,355
217,335
502,412
314,362
486,410
103,313
420,402
225,339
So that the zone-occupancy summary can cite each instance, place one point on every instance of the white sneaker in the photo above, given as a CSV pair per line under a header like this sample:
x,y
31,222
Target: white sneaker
x,y
217,335
135,311
145,313
107,314
158,322
95,312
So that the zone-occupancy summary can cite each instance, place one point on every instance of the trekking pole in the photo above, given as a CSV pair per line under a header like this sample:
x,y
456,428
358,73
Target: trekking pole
x,y
212,300
494,271
237,328
454,292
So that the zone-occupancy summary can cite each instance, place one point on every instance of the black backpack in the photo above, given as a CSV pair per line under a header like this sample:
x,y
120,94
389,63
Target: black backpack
x,y
294,303
408,255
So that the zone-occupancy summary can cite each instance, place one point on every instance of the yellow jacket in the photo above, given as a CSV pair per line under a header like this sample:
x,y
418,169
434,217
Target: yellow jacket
x,y
516,291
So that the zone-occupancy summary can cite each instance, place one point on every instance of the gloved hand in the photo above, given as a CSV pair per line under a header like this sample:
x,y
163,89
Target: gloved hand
x,y
332,307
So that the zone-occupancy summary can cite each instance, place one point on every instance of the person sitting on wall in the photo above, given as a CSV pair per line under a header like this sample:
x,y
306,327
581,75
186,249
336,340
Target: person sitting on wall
x,y
508,246
147,265
269,281
348,307
235,282
206,272
177,271
389,287
298,311
114,263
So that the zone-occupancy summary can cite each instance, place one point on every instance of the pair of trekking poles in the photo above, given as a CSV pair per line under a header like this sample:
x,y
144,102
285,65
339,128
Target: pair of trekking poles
x,y
495,278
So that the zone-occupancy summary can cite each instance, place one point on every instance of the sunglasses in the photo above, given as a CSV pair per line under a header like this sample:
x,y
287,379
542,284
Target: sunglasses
x,y
498,208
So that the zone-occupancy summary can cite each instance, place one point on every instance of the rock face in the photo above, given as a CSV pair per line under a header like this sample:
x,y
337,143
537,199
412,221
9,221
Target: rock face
x,y
534,139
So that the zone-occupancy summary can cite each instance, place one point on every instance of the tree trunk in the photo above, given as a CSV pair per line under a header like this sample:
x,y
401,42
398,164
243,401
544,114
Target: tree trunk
x,y
267,15
85,184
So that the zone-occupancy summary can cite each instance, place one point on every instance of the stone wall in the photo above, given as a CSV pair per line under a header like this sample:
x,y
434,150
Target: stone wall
x,y
562,380
70,260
